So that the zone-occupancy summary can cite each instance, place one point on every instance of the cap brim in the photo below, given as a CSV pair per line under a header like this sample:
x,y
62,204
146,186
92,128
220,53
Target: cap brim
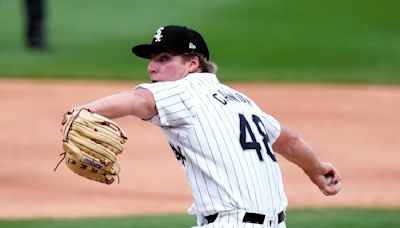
x,y
145,50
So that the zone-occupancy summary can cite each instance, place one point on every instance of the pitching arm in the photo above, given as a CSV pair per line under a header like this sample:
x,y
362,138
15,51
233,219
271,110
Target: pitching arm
x,y
295,149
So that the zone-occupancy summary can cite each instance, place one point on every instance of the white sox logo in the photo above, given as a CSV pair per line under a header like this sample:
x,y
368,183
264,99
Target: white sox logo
x,y
157,36
178,153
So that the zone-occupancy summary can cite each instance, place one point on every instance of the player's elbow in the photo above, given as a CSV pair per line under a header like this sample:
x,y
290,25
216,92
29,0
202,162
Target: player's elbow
x,y
143,104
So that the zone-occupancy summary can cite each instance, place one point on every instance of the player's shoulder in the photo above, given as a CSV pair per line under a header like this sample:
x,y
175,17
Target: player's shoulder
x,y
200,79
157,87
193,81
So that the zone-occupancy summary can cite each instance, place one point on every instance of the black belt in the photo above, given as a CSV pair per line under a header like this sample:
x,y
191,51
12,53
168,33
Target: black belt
x,y
250,218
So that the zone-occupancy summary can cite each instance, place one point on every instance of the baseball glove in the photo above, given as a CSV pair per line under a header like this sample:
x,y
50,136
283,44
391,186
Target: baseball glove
x,y
91,143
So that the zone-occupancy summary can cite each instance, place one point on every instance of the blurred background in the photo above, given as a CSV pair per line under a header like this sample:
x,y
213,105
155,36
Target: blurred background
x,y
276,40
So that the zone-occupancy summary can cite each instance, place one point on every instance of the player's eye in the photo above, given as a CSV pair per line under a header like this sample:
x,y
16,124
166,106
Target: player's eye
x,y
163,58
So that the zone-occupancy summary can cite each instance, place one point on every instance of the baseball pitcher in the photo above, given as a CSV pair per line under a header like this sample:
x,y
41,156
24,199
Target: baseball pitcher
x,y
224,142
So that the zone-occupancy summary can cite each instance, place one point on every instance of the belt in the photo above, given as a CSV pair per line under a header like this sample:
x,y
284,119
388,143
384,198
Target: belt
x,y
250,217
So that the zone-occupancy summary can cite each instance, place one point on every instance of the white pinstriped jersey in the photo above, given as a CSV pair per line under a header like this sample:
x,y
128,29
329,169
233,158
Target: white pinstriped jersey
x,y
223,142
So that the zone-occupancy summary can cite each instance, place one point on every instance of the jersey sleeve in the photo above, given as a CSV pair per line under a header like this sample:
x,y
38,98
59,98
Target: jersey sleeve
x,y
273,128
172,102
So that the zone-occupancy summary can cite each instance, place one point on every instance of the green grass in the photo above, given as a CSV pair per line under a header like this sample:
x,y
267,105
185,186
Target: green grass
x,y
350,41
307,218
349,218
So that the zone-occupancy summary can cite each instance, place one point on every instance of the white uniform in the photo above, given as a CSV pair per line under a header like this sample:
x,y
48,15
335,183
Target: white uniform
x,y
223,142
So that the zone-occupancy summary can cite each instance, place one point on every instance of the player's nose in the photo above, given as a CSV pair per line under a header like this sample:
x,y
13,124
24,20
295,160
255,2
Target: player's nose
x,y
151,67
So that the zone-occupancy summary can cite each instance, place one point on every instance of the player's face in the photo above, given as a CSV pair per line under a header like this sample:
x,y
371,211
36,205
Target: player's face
x,y
167,66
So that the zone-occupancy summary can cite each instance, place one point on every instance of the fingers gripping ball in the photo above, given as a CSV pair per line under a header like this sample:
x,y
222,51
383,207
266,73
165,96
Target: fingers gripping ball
x,y
329,181
91,143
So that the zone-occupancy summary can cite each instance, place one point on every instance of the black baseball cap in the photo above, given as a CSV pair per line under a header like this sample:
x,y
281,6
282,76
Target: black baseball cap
x,y
175,38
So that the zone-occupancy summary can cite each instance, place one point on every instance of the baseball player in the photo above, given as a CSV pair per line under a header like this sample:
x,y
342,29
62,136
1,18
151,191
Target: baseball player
x,y
224,142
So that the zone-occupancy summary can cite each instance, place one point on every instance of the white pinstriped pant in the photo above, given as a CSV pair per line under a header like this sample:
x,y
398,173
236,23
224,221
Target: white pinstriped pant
x,y
233,219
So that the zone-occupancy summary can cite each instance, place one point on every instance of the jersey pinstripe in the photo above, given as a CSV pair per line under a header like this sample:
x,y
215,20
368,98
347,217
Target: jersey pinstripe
x,y
223,142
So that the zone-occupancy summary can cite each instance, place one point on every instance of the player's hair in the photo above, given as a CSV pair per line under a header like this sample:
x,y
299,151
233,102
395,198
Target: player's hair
x,y
206,66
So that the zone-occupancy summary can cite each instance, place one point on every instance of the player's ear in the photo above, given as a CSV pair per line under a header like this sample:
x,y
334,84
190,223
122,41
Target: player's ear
x,y
194,64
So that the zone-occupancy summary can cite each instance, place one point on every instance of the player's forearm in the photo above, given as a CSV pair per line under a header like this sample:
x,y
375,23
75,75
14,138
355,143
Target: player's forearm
x,y
110,106
301,154
120,105
297,150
